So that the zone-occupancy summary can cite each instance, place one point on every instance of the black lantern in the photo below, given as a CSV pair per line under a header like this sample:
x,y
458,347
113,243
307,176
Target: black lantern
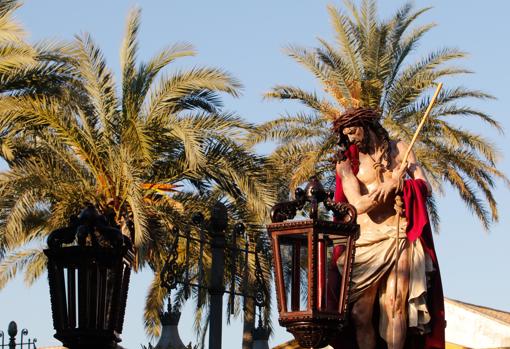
x,y
312,295
89,281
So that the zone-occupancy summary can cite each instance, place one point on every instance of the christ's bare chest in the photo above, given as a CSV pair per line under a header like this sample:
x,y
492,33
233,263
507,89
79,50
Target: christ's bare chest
x,y
368,174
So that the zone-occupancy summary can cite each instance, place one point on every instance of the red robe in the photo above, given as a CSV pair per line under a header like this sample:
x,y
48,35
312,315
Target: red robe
x,y
418,227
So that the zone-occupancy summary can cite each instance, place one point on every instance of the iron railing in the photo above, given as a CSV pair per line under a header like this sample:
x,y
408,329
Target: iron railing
x,y
12,332
214,235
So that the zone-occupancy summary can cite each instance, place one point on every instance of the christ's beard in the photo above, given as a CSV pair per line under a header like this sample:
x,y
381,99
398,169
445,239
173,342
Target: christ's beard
x,y
363,145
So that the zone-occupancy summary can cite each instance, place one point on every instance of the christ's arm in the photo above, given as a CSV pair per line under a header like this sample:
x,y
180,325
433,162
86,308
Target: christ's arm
x,y
350,184
414,170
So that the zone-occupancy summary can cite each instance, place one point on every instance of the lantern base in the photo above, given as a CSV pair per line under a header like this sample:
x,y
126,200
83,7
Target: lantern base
x,y
88,338
313,334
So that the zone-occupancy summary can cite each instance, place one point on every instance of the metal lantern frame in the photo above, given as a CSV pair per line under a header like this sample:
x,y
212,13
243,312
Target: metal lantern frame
x,y
316,325
89,281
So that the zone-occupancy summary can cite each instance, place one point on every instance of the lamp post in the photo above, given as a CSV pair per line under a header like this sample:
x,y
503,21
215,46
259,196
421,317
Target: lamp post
x,y
302,253
89,281
170,338
218,224
261,336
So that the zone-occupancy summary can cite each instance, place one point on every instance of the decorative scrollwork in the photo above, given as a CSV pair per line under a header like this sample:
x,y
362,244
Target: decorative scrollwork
x,y
170,272
12,331
174,274
239,229
64,235
260,298
313,334
288,209
89,228
313,193
261,293
342,211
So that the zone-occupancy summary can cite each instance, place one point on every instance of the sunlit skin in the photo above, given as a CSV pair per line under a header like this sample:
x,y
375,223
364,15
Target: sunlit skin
x,y
375,205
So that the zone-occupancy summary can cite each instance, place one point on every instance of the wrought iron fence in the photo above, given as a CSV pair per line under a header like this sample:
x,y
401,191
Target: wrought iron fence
x,y
221,240
174,273
12,332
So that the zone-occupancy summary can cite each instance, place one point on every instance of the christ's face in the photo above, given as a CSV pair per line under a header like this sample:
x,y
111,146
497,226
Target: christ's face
x,y
356,135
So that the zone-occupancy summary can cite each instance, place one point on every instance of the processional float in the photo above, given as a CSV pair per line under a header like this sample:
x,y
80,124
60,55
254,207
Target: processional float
x,y
312,301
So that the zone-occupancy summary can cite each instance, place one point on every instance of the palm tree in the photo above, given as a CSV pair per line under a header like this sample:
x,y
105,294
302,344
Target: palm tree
x,y
126,149
25,68
369,65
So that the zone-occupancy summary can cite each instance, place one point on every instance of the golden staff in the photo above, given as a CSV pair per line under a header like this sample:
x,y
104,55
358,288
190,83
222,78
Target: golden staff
x,y
420,126
398,198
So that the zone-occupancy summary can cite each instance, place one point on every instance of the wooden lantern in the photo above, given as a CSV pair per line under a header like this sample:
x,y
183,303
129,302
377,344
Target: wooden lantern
x,y
312,295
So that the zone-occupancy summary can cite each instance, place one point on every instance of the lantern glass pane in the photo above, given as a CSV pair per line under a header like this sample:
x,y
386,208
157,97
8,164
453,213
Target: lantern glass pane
x,y
332,253
294,250
71,294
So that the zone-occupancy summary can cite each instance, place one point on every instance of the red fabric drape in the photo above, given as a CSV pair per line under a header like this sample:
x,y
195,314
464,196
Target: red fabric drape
x,y
418,227
352,154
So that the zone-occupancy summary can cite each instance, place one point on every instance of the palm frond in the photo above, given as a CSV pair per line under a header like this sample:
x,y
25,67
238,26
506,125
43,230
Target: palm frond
x,y
154,308
10,30
311,100
99,85
129,50
16,261
288,127
347,40
168,96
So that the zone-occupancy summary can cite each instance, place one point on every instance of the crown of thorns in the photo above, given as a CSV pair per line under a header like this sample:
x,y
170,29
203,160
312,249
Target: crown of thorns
x,y
355,117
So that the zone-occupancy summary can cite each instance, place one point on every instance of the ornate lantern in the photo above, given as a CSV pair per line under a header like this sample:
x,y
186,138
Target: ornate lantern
x,y
89,282
312,297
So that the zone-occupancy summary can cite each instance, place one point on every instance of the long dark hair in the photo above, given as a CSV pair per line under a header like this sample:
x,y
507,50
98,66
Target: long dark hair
x,y
384,138
367,118
379,131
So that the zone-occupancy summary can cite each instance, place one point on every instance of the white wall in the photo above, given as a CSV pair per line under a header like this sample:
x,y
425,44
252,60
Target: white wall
x,y
474,330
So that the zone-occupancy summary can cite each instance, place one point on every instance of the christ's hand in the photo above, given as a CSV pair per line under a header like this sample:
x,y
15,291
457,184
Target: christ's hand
x,y
383,191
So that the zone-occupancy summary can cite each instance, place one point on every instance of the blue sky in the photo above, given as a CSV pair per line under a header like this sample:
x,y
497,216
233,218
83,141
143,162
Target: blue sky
x,y
246,38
